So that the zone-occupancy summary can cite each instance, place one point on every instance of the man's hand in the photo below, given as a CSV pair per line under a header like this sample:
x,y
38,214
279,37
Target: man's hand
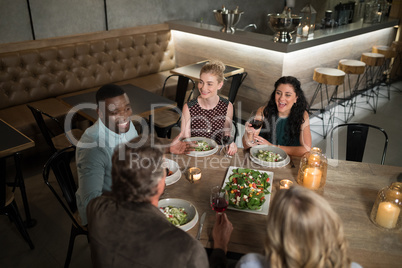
x,y
221,232
181,147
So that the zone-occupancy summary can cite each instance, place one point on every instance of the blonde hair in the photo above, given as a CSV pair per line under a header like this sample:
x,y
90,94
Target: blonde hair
x,y
216,68
304,231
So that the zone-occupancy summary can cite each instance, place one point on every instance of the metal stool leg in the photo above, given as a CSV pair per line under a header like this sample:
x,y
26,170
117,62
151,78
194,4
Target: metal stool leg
x,y
321,111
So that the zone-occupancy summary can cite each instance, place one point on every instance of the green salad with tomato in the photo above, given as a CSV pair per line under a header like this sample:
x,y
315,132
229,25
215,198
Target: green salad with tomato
x,y
177,216
268,156
247,188
202,146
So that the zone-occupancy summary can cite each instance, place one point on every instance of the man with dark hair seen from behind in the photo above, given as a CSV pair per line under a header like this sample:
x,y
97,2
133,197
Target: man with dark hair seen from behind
x,y
126,227
96,146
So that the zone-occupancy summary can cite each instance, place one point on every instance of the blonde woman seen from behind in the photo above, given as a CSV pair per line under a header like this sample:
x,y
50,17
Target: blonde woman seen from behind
x,y
302,231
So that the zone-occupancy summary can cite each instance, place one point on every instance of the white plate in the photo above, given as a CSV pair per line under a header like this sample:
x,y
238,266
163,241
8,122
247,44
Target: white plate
x,y
211,143
282,163
174,167
265,207
188,207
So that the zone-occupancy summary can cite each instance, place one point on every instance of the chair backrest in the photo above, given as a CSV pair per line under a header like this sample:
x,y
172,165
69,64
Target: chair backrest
x,y
356,140
46,132
59,163
181,89
234,88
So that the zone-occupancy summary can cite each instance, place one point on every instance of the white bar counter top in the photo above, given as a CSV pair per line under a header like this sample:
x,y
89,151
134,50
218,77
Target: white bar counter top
x,y
321,36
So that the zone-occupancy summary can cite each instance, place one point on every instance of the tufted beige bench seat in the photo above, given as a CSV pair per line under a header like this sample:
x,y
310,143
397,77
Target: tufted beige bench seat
x,y
37,72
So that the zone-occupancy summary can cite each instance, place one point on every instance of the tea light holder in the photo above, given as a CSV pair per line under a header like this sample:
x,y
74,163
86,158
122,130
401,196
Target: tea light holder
x,y
387,209
285,184
313,170
194,174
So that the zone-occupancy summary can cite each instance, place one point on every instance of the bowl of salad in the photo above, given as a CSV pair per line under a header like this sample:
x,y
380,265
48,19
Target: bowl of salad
x,y
173,172
179,212
203,146
269,156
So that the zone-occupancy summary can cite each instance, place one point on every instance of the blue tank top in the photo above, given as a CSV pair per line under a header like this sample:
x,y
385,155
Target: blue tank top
x,y
280,137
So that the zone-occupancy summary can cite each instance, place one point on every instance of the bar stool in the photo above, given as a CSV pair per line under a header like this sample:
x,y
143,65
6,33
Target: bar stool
x,y
351,67
326,77
389,54
373,75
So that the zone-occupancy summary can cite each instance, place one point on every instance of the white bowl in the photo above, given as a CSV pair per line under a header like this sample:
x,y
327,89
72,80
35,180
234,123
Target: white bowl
x,y
192,213
174,167
211,143
254,150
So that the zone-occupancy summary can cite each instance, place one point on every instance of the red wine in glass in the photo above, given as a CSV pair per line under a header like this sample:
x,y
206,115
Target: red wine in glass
x,y
256,124
226,140
219,204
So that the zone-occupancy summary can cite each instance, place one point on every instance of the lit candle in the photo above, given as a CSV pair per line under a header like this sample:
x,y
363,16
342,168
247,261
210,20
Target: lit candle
x,y
387,214
285,184
194,174
196,177
312,178
305,30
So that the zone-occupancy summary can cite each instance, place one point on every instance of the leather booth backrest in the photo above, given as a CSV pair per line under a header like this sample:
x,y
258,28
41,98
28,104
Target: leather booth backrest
x,y
36,74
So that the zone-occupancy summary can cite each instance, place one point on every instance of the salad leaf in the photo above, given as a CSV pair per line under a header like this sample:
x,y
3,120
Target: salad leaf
x,y
177,216
202,146
268,156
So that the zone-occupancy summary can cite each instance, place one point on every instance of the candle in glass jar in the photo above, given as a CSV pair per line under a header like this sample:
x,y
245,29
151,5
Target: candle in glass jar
x,y
387,214
285,184
314,159
305,30
194,174
312,178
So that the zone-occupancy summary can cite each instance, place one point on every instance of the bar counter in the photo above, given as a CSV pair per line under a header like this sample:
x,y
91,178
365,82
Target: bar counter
x,y
321,36
265,61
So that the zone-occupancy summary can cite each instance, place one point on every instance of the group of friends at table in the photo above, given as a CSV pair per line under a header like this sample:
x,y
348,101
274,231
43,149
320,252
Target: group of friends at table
x,y
119,201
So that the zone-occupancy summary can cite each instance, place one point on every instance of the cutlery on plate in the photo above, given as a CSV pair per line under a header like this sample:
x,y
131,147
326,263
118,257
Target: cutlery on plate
x,y
201,224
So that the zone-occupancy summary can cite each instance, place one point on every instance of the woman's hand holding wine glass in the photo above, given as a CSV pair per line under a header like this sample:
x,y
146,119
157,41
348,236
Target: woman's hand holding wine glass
x,y
254,124
228,145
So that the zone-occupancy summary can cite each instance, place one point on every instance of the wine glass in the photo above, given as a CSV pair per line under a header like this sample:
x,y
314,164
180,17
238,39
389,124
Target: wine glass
x,y
226,141
219,199
256,122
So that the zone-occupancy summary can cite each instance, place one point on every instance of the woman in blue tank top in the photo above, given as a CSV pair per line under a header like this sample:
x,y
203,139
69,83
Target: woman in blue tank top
x,y
285,120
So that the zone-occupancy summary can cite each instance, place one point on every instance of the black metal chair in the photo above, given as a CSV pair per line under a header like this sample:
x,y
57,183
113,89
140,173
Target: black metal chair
x,y
356,140
165,120
9,207
59,163
55,141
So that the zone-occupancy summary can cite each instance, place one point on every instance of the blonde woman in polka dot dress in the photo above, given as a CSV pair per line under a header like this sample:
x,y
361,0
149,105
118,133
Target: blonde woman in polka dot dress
x,y
209,115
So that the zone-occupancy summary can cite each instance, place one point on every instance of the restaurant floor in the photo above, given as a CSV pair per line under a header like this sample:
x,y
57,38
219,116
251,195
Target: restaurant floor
x,y
50,235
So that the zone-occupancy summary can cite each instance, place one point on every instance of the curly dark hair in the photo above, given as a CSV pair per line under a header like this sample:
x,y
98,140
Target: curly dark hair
x,y
296,116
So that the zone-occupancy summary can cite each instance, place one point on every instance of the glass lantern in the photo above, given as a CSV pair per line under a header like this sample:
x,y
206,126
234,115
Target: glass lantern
x,y
313,170
386,211
307,23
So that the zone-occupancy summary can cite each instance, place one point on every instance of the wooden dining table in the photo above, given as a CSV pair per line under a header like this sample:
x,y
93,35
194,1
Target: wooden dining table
x,y
143,102
12,143
351,189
